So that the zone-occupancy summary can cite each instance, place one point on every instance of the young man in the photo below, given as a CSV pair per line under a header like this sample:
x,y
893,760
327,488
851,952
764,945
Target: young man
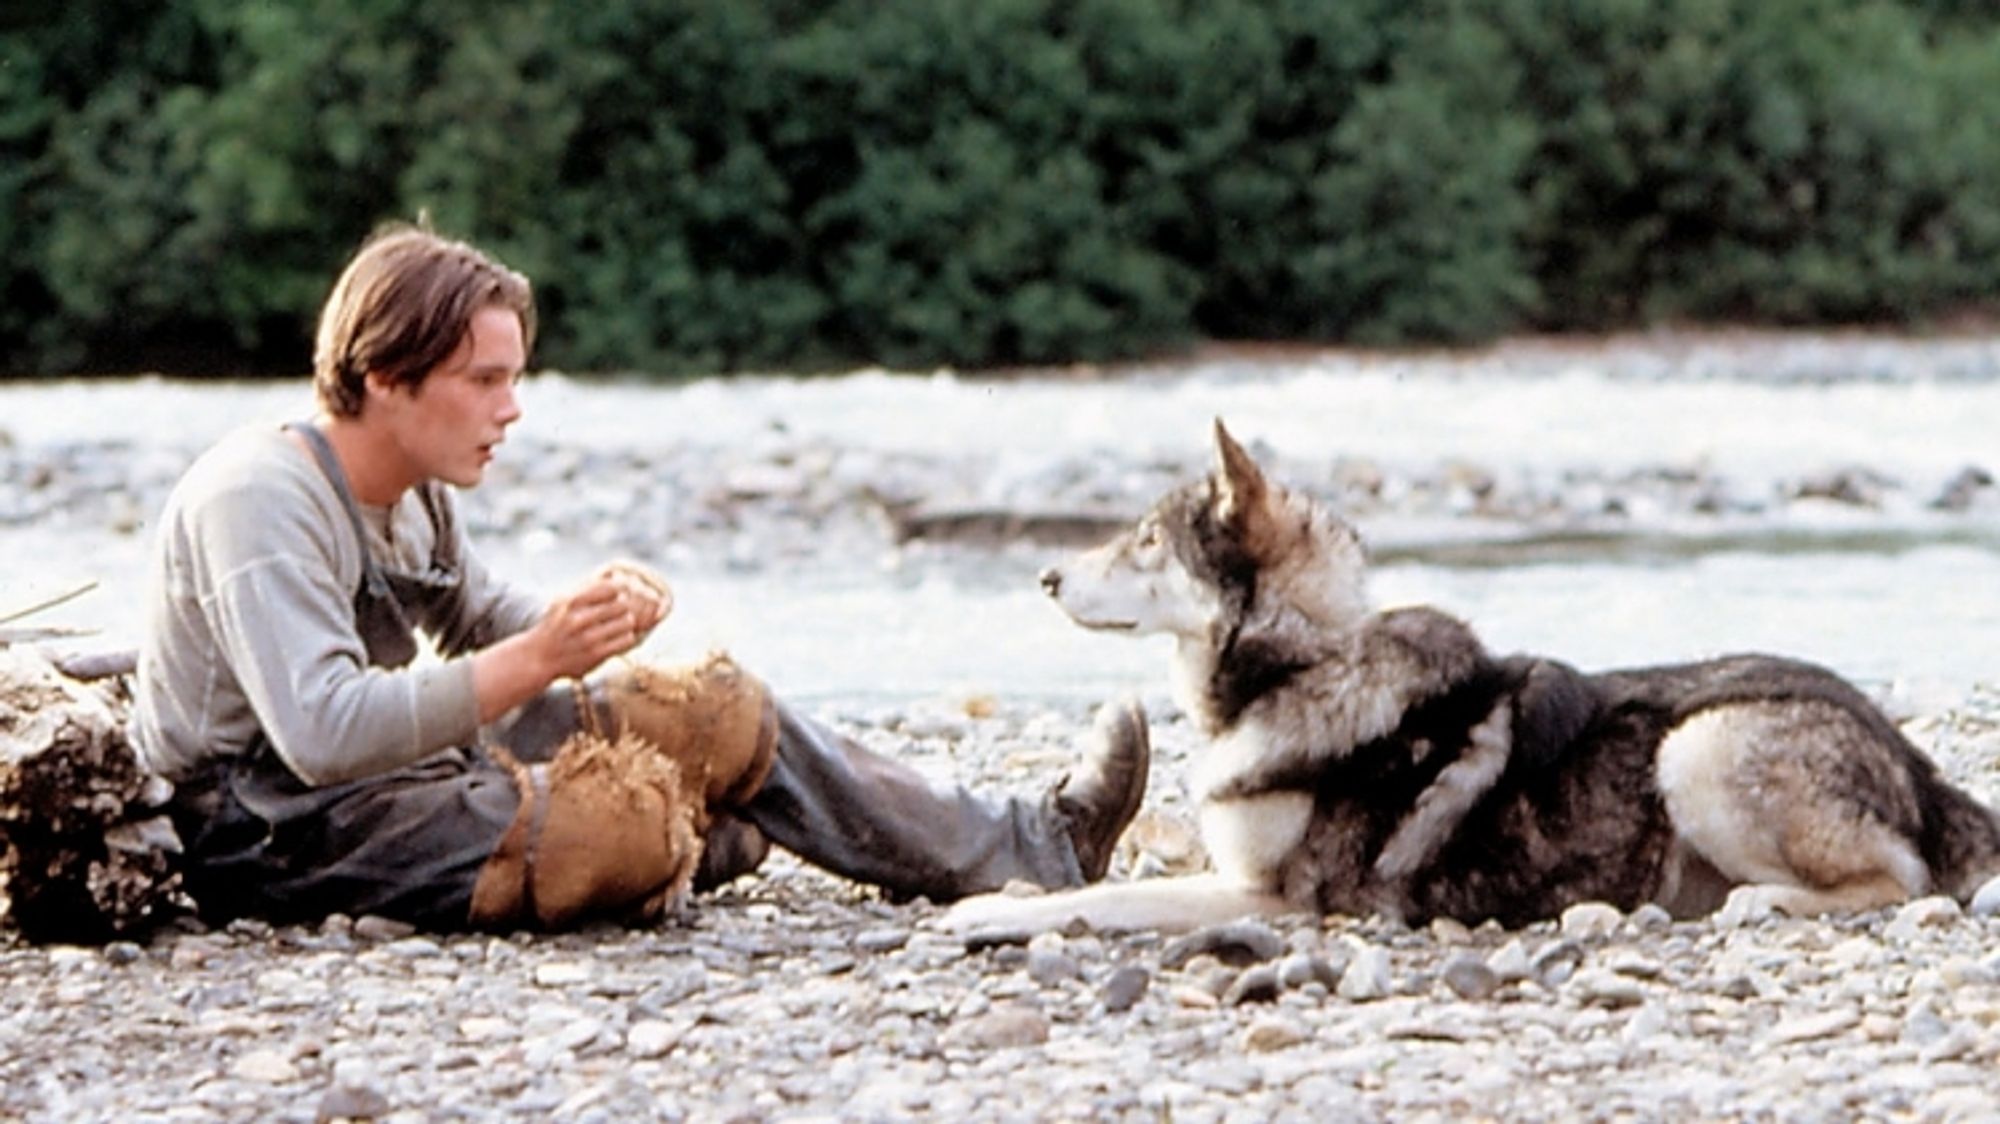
x,y
320,767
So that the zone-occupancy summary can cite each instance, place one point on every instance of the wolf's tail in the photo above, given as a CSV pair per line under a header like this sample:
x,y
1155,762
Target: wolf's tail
x,y
1963,841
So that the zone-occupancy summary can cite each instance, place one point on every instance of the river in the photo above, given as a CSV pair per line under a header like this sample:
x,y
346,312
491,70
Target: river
x,y
1822,530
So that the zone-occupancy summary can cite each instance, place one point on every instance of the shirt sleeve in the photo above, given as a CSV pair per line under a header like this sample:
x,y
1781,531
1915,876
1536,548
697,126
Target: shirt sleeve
x,y
284,619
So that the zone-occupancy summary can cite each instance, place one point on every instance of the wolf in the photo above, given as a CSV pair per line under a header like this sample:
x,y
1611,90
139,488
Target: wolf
x,y
1383,761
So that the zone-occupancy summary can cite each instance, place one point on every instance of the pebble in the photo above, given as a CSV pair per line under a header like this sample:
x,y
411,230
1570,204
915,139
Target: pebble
x,y
372,928
1511,962
881,940
999,1029
122,953
1269,1035
1924,913
562,974
1241,942
1367,977
1555,964
352,1102
1986,903
1258,983
1470,977
1302,969
1813,1027
1050,968
1597,987
271,1067
1590,921
651,1038
1124,987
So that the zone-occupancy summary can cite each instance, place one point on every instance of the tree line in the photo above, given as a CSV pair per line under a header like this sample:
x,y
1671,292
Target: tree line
x,y
718,185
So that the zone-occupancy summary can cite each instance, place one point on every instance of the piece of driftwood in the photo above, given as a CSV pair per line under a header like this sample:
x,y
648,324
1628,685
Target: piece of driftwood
x,y
86,851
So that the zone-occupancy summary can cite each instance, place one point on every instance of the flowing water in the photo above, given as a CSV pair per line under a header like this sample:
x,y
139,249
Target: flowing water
x,y
1890,591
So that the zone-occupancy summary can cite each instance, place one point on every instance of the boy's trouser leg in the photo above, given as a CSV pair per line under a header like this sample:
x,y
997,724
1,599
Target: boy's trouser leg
x,y
877,820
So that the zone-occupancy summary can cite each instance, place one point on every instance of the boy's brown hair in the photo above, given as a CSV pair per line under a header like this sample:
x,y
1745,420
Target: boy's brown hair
x,y
402,306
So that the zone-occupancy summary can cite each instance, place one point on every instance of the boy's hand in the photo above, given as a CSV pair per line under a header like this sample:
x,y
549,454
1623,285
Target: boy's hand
x,y
607,615
583,628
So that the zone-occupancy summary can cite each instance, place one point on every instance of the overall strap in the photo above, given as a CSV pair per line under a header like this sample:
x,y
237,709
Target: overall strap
x,y
322,451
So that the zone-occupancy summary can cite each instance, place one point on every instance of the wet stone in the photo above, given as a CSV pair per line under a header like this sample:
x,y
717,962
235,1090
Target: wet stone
x,y
1001,1028
1269,1035
1556,963
1986,902
1469,977
373,928
1256,984
121,953
352,1102
1599,987
1367,977
1124,987
1300,969
1050,968
1590,921
1240,943
1921,914
882,940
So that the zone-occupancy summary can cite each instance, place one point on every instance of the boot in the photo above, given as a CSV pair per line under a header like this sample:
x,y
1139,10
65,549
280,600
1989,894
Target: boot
x,y
1097,802
732,849
879,821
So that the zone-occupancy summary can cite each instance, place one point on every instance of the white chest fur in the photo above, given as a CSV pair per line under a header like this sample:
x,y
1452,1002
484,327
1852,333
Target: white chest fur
x,y
1249,837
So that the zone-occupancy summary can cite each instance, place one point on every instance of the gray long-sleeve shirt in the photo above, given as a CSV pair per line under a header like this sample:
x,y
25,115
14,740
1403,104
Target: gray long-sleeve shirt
x,y
250,622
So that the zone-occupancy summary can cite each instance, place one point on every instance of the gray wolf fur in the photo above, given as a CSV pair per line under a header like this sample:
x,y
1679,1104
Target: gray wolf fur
x,y
1383,761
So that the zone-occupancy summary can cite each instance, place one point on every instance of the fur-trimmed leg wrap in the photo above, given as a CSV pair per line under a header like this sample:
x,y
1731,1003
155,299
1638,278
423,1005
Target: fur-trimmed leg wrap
x,y
607,830
712,718
614,825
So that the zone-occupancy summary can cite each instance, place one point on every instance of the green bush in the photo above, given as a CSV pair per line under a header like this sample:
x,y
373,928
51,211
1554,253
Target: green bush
x,y
1790,160
707,185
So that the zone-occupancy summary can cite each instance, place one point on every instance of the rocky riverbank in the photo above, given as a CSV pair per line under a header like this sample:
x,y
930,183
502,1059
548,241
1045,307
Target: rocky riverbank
x,y
790,995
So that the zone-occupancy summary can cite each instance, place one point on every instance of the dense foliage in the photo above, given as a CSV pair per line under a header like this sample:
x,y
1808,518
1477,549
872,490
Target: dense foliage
x,y
701,185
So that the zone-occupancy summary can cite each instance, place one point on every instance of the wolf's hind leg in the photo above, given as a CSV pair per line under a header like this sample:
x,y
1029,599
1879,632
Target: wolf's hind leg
x,y
1797,802
1755,902
1442,806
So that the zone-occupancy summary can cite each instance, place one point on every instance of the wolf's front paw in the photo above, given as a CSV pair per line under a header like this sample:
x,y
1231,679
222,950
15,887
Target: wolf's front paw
x,y
995,916
1748,905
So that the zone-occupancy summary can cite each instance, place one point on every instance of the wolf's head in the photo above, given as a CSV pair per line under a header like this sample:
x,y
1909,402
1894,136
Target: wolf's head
x,y
1243,573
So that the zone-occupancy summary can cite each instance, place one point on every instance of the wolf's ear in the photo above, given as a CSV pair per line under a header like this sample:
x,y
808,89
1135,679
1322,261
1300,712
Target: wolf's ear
x,y
1239,483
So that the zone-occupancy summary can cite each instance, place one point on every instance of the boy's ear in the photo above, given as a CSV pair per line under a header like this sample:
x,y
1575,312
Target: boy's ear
x,y
378,385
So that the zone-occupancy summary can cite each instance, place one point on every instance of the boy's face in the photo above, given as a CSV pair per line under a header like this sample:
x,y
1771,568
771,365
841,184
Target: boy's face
x,y
448,426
